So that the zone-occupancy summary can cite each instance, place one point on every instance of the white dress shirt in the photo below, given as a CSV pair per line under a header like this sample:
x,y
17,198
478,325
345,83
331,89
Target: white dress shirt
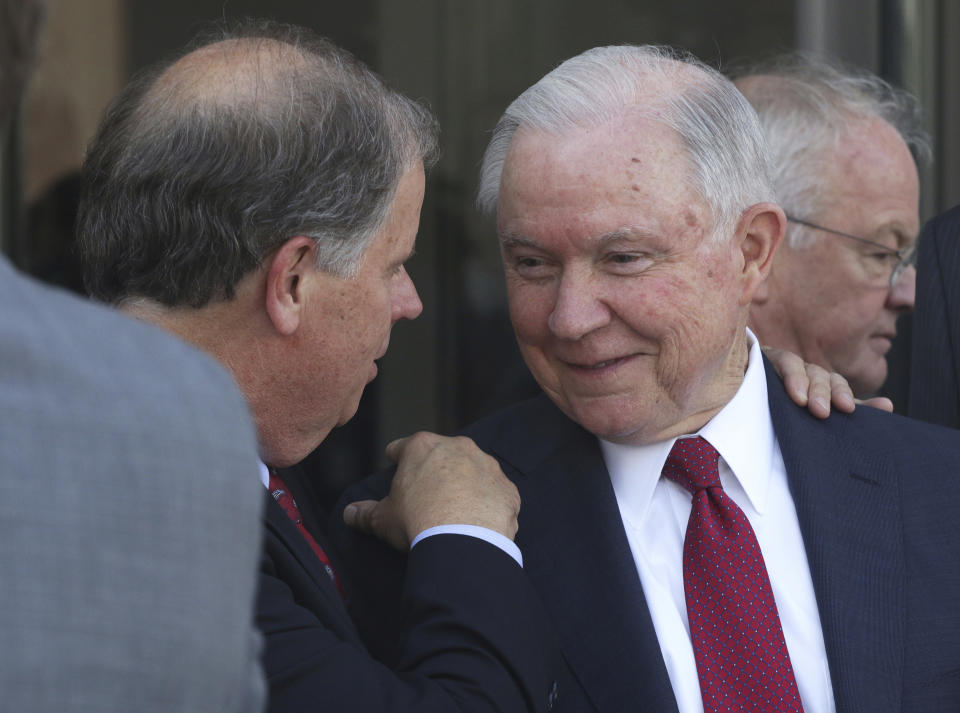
x,y
491,536
655,513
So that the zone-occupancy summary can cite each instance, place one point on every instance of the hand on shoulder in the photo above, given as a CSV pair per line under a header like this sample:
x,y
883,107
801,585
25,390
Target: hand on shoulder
x,y
440,480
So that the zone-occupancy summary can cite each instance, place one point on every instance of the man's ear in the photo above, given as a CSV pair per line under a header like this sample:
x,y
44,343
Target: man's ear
x,y
759,234
287,271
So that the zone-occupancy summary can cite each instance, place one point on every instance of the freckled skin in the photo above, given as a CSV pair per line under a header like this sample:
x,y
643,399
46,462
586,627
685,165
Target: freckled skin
x,y
348,321
627,311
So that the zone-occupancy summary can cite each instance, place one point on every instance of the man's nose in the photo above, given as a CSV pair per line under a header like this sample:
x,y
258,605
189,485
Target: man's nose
x,y
406,304
902,294
579,308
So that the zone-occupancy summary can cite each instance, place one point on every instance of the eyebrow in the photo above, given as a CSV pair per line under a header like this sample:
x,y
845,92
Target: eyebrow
x,y
515,240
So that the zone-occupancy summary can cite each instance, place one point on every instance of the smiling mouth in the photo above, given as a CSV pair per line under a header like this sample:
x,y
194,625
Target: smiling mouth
x,y
600,365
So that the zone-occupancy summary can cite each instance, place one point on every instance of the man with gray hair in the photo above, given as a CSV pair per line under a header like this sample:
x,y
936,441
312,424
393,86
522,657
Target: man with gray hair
x,y
840,143
701,542
259,197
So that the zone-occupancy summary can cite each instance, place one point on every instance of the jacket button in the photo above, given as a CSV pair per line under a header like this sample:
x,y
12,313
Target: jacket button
x,y
553,696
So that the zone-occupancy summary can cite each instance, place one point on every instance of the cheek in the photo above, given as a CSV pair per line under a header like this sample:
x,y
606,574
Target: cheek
x,y
690,321
849,310
530,307
856,322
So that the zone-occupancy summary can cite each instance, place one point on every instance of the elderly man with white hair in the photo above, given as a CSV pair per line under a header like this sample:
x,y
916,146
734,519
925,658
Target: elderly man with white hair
x,y
841,145
700,542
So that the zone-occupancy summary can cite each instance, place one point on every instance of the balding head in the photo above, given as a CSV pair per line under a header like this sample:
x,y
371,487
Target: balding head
x,y
203,167
807,107
840,143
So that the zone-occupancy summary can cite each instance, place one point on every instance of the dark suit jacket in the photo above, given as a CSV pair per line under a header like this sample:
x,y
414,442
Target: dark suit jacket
x,y
475,637
935,370
876,496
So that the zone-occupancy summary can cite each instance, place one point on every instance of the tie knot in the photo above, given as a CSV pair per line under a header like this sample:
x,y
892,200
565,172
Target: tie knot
x,y
693,464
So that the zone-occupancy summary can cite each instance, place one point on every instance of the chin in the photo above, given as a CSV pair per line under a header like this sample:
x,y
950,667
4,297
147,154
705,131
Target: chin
x,y
349,412
866,385
604,421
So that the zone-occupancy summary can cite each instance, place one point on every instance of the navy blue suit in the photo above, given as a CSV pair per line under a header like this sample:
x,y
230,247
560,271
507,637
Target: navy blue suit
x,y
474,635
935,370
877,502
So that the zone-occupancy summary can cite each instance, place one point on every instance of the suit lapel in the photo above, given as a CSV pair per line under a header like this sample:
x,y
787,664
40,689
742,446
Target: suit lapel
x,y
848,508
580,560
334,610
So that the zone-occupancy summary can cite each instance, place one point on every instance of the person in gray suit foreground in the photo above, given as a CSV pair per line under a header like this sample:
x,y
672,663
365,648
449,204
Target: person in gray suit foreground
x,y
129,510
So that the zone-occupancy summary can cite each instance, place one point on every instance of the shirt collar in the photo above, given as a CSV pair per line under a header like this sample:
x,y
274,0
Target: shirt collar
x,y
264,474
742,433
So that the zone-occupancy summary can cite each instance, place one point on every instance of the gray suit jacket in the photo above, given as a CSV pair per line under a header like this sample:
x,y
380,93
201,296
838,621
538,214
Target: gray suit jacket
x,y
129,516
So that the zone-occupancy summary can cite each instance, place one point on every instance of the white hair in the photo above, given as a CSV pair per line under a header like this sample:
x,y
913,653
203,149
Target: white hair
x,y
728,163
807,106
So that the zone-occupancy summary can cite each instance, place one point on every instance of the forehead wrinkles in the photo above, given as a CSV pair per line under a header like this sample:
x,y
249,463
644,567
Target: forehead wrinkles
x,y
594,183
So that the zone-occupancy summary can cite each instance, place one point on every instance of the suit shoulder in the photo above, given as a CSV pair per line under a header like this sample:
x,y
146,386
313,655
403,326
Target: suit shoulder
x,y
509,417
68,345
527,432
924,454
73,372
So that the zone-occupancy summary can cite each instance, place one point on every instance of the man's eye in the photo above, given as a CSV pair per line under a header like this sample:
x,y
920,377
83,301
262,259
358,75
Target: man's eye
x,y
884,258
627,263
530,267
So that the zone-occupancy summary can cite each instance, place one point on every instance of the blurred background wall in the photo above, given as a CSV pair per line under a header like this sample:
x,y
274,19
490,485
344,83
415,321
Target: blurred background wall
x,y
467,59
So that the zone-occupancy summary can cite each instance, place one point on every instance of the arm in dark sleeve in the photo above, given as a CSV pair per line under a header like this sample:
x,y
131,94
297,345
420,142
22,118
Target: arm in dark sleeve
x,y
473,638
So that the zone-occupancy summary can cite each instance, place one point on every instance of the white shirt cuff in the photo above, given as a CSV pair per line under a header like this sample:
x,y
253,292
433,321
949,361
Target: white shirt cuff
x,y
494,538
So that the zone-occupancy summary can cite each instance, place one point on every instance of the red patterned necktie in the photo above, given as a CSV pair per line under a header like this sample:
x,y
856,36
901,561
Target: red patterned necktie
x,y
742,659
285,500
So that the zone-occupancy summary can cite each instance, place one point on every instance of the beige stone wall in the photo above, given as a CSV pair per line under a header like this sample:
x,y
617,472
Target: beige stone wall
x,y
82,64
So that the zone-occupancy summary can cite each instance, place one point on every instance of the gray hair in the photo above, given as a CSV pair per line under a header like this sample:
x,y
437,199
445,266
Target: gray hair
x,y
806,105
727,156
203,167
19,26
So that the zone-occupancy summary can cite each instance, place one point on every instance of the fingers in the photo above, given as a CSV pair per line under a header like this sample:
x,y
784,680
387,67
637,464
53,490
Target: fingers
x,y
421,440
818,391
812,386
444,480
377,518
394,449
793,370
842,394
359,515
880,402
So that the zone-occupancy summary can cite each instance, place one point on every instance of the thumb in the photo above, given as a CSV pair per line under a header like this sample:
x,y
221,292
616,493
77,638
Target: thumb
x,y
377,518
359,515
395,449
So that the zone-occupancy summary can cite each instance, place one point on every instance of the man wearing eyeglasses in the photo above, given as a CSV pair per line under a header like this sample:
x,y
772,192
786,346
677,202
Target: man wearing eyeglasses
x,y
840,145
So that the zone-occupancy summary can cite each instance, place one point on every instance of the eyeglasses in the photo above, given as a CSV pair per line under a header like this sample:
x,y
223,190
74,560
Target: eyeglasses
x,y
881,261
